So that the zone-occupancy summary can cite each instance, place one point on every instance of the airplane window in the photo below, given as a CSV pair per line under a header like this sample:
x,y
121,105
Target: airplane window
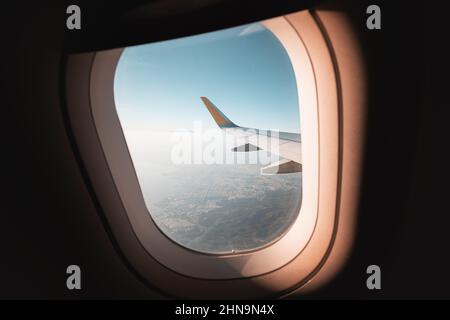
x,y
212,124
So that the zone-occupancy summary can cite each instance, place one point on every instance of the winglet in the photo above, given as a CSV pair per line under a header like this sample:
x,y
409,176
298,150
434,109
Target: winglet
x,y
221,120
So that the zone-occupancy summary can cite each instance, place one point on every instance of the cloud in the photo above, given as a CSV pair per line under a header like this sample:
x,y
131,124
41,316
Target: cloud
x,y
253,28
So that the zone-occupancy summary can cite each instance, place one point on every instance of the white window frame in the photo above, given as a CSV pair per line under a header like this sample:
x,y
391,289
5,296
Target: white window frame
x,y
274,269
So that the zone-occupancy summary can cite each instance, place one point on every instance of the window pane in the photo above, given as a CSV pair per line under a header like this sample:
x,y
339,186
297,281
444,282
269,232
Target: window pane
x,y
201,187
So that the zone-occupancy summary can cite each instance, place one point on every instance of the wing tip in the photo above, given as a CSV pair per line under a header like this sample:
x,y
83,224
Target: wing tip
x,y
221,120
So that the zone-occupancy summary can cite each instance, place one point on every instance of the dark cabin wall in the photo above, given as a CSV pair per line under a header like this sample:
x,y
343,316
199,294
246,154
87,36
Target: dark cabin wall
x,y
402,223
48,219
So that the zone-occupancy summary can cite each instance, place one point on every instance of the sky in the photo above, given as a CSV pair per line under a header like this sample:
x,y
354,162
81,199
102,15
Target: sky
x,y
244,71
247,74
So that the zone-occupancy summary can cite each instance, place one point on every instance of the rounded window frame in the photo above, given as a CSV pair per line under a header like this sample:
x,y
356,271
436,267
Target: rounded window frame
x,y
247,278
159,245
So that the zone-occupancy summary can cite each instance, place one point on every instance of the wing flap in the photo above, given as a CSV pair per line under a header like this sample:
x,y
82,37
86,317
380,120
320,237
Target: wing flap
x,y
281,167
248,147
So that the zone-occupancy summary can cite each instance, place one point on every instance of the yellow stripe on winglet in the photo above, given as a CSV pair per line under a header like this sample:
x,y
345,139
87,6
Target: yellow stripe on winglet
x,y
218,116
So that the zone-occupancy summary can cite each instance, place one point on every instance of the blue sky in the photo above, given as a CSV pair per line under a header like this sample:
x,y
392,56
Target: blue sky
x,y
244,71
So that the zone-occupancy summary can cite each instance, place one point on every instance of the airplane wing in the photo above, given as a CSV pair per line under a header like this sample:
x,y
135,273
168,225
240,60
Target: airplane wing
x,y
284,144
